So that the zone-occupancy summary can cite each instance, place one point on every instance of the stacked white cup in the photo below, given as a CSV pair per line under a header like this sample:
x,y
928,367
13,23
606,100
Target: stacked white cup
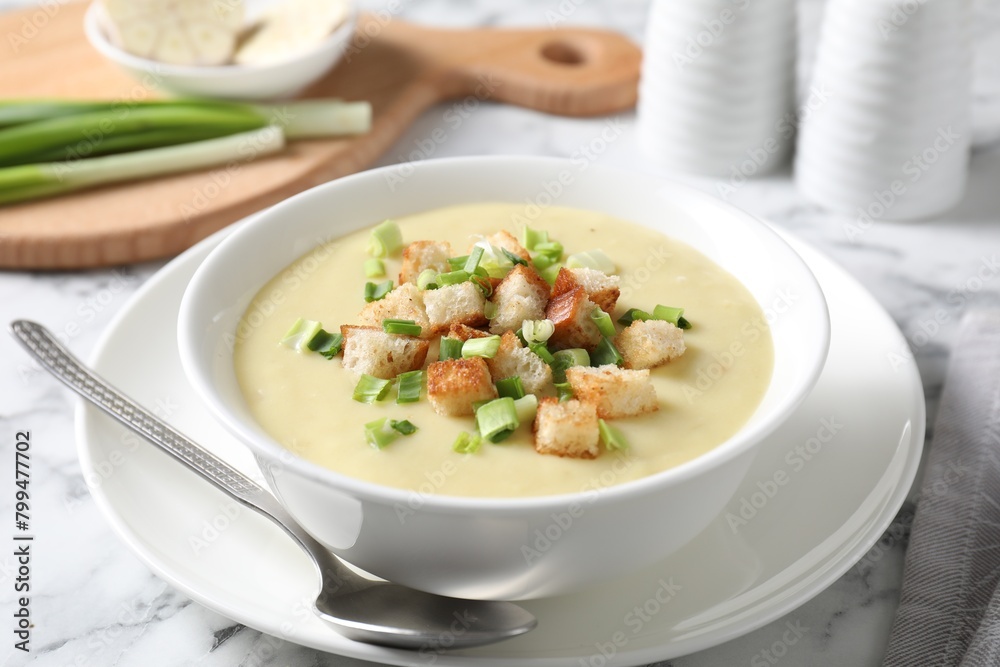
x,y
717,87
891,139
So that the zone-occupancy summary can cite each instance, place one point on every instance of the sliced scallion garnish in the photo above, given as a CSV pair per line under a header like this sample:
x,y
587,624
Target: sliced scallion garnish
x,y
326,343
603,322
514,259
549,274
611,437
510,387
606,353
542,351
672,315
451,348
409,387
526,407
551,249
537,331
541,260
402,426
531,237
497,419
301,333
490,310
564,359
467,443
374,268
633,314
472,263
380,433
481,347
564,390
370,389
591,259
427,279
401,327
385,240
376,291
452,277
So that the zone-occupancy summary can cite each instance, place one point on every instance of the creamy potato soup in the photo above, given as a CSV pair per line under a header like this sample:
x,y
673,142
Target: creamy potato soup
x,y
305,400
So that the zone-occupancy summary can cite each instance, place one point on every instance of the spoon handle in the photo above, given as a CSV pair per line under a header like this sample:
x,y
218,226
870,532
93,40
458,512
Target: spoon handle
x,y
58,361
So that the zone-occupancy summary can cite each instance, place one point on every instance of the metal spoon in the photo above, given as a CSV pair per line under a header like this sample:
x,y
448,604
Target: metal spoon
x,y
359,608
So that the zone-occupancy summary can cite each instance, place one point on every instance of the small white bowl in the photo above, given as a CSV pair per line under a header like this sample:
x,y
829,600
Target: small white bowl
x,y
473,547
276,80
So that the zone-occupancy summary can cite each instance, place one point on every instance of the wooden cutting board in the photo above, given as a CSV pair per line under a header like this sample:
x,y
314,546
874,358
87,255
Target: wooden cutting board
x,y
401,68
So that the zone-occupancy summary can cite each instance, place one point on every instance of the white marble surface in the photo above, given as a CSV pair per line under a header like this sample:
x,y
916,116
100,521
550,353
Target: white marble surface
x,y
95,604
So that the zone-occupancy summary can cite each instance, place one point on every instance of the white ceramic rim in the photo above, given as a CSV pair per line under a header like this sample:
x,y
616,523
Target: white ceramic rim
x,y
743,440
95,35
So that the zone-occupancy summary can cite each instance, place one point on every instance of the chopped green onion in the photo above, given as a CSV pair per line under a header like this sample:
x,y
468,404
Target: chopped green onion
x,y
301,333
457,263
606,353
472,263
481,347
551,273
552,250
380,433
370,389
515,260
520,337
603,322
592,259
386,240
374,268
451,348
484,284
537,331
633,314
510,387
497,419
611,437
526,407
374,292
452,277
401,327
403,426
467,443
490,310
326,343
542,351
532,237
409,387
564,359
564,390
672,315
478,404
542,261
427,279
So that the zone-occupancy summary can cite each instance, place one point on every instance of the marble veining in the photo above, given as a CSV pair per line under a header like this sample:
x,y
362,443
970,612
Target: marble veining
x,y
94,604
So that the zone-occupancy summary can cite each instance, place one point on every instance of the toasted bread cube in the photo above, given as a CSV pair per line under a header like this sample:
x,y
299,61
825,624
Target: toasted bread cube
x,y
406,302
566,429
455,304
522,295
421,255
570,312
455,384
375,352
464,332
601,288
506,240
650,343
615,392
514,359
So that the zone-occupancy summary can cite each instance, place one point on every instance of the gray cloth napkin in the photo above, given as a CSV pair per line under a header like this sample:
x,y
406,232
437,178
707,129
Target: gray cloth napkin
x,y
949,610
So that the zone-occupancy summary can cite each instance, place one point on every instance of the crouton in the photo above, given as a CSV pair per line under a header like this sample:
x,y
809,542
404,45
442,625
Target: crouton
x,y
601,288
514,359
650,343
570,312
566,429
615,392
406,302
464,332
455,304
521,295
455,384
421,255
506,240
375,352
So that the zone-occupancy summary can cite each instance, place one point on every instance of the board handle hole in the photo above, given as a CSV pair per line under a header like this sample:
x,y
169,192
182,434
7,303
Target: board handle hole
x,y
562,53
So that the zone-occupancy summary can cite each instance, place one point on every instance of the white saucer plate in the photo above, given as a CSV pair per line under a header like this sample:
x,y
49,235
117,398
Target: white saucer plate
x,y
820,493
